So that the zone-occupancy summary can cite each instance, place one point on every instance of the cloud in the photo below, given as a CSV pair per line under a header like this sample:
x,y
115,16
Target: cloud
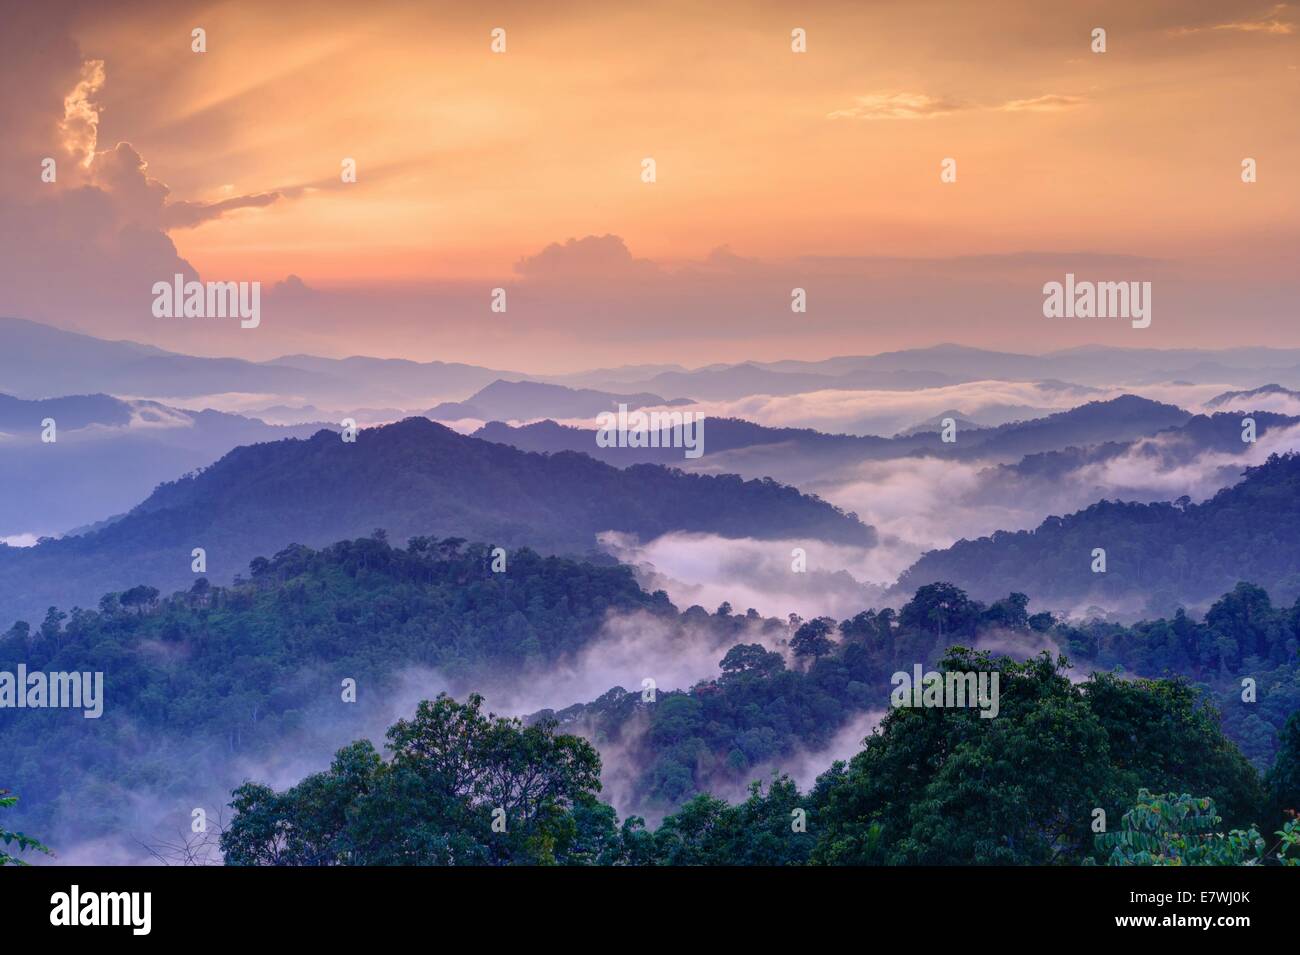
x,y
922,106
1271,22
1048,103
885,412
291,288
80,125
186,215
919,504
897,105
91,243
604,256
706,570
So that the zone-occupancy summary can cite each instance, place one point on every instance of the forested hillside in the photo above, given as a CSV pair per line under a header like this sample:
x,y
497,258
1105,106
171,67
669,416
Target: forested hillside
x,y
1157,555
763,710
410,478
202,677
933,786
212,679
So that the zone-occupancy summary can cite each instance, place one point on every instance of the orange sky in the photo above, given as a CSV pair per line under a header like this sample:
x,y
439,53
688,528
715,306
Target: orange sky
x,y
470,161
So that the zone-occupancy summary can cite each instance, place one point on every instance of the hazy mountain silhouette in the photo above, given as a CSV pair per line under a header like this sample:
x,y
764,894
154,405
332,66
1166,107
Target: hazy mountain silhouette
x,y
107,455
1218,401
410,478
792,453
1158,556
39,361
526,400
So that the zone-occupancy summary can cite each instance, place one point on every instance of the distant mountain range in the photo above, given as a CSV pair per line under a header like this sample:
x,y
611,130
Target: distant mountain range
x,y
528,400
936,423
1265,391
795,454
914,368
410,478
1157,556
1175,447
40,361
107,455
751,378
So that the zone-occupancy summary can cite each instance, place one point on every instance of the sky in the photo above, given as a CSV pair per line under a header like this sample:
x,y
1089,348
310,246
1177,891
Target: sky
x,y
774,169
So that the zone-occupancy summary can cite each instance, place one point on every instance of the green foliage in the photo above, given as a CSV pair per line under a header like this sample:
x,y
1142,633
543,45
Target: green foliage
x,y
942,786
1288,851
1178,830
1283,781
812,639
232,672
455,777
759,831
16,840
217,673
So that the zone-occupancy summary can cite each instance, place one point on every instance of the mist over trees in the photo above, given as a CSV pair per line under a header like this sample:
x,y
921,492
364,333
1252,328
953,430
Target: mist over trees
x,y
1161,555
935,786
224,673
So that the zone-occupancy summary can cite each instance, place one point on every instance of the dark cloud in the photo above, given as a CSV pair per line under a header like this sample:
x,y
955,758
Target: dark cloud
x,y
186,215
604,256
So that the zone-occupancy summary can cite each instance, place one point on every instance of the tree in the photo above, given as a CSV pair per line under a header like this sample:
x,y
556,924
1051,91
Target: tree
x,y
750,658
1178,830
1283,781
16,840
812,639
140,596
941,609
942,785
461,788
1009,612
759,831
449,547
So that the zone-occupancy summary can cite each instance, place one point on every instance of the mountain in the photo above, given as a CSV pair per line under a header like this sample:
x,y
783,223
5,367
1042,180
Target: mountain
x,y
609,378
107,455
958,362
215,684
1119,419
40,361
201,682
1094,364
936,423
795,455
1265,391
912,368
410,478
305,414
1174,447
1196,460
1158,556
721,435
398,380
526,400
750,378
